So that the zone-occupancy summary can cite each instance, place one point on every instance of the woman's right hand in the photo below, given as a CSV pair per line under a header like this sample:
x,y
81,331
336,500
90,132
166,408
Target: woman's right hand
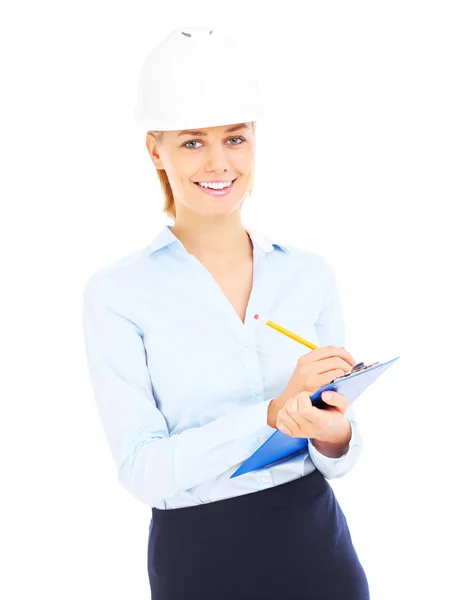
x,y
317,368
314,370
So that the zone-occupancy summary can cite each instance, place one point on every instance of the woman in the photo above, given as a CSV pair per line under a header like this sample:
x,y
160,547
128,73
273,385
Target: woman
x,y
187,383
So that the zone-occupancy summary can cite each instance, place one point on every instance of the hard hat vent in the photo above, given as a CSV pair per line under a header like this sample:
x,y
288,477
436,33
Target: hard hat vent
x,y
189,34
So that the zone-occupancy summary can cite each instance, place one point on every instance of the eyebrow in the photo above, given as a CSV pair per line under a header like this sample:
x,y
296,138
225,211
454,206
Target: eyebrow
x,y
234,128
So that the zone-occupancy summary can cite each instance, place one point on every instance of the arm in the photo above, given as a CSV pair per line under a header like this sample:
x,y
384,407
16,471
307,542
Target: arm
x,y
330,329
151,464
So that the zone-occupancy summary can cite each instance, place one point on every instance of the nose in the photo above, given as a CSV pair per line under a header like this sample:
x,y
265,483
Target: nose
x,y
216,158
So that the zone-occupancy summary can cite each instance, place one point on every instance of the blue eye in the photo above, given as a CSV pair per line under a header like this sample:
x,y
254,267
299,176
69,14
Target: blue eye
x,y
184,145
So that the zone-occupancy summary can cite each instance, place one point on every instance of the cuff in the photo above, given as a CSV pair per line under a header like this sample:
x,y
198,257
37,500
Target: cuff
x,y
336,467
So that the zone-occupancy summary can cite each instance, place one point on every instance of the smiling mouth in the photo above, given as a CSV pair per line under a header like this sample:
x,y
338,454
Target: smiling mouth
x,y
199,182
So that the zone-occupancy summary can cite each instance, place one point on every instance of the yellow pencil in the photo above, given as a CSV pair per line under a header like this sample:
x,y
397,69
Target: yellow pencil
x,y
295,337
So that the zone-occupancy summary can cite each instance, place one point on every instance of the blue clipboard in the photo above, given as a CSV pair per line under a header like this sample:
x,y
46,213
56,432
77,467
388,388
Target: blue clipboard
x,y
279,446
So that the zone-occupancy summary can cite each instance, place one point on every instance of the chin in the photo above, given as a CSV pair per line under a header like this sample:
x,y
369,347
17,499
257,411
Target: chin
x,y
214,209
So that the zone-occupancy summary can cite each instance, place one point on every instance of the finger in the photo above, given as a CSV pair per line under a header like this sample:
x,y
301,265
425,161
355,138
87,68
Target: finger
x,y
310,414
301,406
284,428
333,351
334,399
351,360
322,417
302,402
286,424
291,419
292,406
335,363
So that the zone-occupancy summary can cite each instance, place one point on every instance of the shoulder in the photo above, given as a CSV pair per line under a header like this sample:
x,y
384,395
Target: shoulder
x,y
115,276
312,262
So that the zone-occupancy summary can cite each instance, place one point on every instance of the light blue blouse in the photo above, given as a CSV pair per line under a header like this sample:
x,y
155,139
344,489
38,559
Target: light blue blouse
x,y
182,385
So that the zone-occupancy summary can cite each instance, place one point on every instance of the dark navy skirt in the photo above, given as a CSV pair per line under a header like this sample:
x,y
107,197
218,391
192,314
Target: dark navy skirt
x,y
288,541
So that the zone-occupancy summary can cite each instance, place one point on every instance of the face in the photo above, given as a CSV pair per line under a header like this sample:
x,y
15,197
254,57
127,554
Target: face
x,y
222,154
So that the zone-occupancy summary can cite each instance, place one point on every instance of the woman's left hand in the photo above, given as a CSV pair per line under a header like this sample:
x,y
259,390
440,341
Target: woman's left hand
x,y
300,419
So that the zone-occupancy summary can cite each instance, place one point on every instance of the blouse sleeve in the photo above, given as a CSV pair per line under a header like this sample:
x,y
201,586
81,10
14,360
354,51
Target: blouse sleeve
x,y
330,330
151,464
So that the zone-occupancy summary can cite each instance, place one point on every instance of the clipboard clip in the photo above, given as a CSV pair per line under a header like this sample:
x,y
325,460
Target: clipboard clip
x,y
356,369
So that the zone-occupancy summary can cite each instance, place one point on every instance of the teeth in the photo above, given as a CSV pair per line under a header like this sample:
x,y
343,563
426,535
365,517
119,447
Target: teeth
x,y
215,185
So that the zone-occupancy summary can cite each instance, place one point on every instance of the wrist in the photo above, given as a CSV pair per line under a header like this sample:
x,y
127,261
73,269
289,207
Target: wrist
x,y
337,443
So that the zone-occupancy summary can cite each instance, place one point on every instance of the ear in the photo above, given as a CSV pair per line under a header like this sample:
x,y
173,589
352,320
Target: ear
x,y
150,143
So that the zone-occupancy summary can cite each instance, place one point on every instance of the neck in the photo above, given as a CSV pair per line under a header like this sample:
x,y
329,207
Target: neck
x,y
223,244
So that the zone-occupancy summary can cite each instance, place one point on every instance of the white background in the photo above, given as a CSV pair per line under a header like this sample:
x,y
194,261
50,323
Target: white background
x,y
356,162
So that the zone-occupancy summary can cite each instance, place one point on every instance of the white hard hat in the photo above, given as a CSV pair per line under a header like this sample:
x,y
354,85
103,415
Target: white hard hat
x,y
197,77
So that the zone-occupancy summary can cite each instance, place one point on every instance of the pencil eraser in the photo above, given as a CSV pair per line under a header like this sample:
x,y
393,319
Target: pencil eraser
x,y
256,316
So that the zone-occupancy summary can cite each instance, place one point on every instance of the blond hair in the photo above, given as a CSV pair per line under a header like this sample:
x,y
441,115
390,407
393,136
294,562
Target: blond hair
x,y
169,203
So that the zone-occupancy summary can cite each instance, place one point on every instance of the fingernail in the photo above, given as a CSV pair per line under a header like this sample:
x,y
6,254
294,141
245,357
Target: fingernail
x,y
327,396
